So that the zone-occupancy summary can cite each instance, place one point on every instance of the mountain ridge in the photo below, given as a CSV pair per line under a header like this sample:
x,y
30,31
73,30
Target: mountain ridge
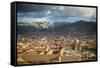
x,y
80,26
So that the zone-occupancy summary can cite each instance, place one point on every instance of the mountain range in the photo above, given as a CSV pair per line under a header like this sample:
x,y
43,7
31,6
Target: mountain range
x,y
78,27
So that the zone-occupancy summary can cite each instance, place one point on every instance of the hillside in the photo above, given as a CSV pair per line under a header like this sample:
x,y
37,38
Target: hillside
x,y
80,27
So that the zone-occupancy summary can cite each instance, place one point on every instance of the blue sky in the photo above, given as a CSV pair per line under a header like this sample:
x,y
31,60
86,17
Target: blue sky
x,y
28,13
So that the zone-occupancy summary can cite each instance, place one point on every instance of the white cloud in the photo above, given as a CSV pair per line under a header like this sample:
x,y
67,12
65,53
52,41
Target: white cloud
x,y
48,12
87,12
75,11
30,19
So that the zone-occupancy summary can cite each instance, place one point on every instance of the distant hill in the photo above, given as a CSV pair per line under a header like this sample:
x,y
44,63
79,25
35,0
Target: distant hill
x,y
80,27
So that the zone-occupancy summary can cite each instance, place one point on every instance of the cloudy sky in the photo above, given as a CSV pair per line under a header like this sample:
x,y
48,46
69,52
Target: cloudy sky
x,y
28,13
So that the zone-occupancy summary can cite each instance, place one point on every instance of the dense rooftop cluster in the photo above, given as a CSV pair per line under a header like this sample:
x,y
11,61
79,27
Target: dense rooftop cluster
x,y
55,49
